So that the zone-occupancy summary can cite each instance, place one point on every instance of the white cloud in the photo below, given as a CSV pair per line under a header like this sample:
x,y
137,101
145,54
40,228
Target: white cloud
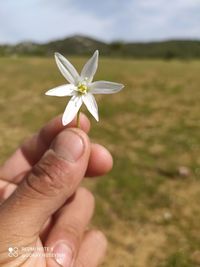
x,y
159,19
42,20
188,3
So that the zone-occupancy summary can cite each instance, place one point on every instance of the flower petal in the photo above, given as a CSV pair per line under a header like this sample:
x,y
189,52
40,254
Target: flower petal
x,y
63,90
67,69
71,109
90,67
104,87
91,105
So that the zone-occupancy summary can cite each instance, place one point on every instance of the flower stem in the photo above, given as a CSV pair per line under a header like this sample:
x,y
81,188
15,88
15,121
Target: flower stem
x,y
78,119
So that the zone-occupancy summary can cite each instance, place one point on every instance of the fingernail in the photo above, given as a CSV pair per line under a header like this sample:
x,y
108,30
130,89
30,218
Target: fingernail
x,y
69,145
63,255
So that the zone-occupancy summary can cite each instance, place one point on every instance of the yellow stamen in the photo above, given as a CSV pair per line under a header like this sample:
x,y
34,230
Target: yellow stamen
x,y
82,88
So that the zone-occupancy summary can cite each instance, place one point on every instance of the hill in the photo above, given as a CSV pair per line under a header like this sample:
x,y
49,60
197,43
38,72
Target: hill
x,y
81,45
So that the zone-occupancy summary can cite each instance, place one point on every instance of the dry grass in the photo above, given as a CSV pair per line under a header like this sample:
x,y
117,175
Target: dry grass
x,y
149,204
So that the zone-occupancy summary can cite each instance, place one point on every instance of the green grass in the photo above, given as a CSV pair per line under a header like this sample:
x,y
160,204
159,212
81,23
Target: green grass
x,y
176,260
152,129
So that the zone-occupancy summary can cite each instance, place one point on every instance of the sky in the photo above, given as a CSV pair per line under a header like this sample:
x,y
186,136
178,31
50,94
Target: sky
x,y
107,20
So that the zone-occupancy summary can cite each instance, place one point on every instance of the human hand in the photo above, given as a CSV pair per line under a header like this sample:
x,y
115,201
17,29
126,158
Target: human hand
x,y
42,209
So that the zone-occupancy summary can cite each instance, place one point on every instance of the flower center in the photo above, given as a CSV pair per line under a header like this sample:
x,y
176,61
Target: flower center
x,y
82,88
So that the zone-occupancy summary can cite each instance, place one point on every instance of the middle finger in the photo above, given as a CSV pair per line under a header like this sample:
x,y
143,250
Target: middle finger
x,y
71,222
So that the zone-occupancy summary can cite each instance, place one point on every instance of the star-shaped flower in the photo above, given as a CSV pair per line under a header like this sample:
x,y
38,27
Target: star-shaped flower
x,y
81,87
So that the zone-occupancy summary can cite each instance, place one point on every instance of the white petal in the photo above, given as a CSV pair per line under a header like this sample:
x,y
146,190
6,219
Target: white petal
x,y
71,109
63,90
90,67
91,105
104,87
67,69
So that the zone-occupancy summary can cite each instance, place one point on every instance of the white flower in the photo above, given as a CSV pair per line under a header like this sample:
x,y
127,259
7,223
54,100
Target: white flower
x,y
81,87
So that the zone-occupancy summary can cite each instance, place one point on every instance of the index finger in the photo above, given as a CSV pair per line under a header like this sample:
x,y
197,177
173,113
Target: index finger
x,y
22,160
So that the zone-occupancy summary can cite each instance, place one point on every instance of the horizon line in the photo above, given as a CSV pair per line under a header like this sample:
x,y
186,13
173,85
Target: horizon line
x,y
154,40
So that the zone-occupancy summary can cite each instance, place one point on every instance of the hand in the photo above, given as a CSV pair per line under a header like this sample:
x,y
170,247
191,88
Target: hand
x,y
42,209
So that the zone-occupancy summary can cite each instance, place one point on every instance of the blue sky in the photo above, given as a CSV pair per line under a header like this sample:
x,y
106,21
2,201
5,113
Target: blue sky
x,y
129,20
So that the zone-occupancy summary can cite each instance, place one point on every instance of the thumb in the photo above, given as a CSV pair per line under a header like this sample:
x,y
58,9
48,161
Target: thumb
x,y
52,181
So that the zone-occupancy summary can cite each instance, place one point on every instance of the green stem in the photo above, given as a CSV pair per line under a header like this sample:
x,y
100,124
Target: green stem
x,y
78,119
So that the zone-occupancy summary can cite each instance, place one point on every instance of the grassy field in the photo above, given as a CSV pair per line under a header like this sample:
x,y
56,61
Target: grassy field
x,y
149,205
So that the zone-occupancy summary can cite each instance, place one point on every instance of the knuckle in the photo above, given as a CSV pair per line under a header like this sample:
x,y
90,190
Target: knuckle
x,y
49,175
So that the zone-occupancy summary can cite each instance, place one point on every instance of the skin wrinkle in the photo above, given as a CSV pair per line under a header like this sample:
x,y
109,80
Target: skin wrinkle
x,y
52,171
12,218
10,261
